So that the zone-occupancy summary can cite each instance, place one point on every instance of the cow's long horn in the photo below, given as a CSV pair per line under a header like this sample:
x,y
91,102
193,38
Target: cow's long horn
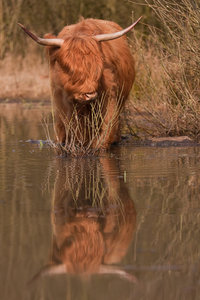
x,y
49,270
41,41
108,269
115,35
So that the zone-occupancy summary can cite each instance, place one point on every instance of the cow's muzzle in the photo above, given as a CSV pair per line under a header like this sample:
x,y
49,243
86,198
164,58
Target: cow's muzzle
x,y
88,97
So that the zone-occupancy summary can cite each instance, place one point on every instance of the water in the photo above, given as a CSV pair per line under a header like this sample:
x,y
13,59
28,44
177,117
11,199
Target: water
x,y
124,225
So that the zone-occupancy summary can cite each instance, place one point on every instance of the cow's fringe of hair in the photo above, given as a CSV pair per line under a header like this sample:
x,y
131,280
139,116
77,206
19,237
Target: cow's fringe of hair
x,y
82,136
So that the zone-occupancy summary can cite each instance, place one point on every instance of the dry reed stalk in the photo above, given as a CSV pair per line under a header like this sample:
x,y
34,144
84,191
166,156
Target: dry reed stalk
x,y
84,135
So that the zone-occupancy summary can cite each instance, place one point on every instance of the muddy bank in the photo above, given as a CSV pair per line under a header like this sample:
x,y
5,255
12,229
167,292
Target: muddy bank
x,y
39,108
177,141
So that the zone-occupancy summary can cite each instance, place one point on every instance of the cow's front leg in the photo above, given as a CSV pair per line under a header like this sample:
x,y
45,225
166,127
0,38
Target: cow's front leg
x,y
60,130
109,132
63,109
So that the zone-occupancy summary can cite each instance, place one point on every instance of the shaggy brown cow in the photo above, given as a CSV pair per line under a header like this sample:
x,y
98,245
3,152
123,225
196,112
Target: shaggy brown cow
x,y
89,61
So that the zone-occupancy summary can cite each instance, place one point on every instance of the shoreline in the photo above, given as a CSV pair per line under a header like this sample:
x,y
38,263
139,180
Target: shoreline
x,y
126,138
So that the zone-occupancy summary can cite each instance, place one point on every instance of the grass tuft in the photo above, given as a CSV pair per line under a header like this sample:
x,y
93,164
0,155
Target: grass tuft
x,y
84,134
167,88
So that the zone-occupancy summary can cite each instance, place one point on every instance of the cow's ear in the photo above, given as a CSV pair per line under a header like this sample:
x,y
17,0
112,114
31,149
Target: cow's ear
x,y
49,36
50,50
81,18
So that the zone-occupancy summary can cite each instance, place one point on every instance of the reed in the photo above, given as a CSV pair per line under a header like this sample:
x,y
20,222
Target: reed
x,y
167,88
84,135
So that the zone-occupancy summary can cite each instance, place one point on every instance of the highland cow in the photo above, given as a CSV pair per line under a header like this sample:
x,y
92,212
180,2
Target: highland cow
x,y
89,61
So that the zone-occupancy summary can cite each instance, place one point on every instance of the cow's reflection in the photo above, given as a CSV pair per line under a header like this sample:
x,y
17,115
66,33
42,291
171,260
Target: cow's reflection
x,y
93,219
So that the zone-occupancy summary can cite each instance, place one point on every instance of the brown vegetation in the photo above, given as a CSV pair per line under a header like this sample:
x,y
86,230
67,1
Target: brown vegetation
x,y
167,88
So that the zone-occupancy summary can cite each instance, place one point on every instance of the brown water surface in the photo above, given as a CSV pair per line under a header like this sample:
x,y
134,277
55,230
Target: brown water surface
x,y
124,225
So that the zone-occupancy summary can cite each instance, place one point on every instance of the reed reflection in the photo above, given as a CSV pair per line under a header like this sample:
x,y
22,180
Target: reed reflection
x,y
93,219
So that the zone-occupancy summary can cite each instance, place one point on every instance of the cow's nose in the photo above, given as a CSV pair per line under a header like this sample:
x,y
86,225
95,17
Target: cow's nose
x,y
91,96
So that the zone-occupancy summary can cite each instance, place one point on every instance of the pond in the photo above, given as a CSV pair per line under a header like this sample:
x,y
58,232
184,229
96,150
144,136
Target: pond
x,y
124,225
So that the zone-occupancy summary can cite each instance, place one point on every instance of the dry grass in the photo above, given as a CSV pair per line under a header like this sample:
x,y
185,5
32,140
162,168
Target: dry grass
x,y
167,88
85,132
24,78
